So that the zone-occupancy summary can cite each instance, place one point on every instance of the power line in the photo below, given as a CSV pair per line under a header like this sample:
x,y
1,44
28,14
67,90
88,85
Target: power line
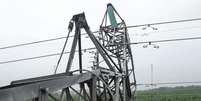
x,y
169,30
30,43
37,42
168,22
132,26
31,58
38,57
134,43
169,40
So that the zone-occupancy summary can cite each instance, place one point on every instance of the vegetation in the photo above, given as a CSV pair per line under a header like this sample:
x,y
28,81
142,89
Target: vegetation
x,y
190,93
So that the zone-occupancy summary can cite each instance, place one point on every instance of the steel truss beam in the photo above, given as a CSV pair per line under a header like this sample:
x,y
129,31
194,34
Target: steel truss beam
x,y
33,88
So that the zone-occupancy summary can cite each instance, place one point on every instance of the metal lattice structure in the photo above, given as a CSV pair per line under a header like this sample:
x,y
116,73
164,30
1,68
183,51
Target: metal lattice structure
x,y
111,82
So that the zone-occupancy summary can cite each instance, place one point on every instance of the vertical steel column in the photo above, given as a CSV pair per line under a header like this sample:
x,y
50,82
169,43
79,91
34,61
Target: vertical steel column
x,y
72,52
35,99
43,95
79,48
62,95
68,95
124,68
105,92
78,27
117,89
93,89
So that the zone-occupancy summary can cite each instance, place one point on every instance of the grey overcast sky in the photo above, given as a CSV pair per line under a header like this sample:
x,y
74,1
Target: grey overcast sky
x,y
32,20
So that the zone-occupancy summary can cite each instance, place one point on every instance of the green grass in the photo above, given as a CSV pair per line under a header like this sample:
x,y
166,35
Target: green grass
x,y
190,93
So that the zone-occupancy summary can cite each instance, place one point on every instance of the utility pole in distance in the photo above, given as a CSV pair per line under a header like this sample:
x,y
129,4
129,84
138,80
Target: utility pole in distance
x,y
152,76
152,82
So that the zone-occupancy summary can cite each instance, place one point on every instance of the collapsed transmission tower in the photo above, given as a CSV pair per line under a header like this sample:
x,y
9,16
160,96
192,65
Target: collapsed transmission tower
x,y
114,38
111,82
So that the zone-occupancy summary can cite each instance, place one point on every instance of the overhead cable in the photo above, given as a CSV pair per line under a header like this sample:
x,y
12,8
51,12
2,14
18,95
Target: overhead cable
x,y
132,26
132,43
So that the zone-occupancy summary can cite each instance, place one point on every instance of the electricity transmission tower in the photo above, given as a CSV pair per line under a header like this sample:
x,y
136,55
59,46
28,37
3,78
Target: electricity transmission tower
x,y
111,82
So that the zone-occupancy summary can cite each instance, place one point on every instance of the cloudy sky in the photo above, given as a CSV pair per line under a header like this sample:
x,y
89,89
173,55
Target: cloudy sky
x,y
24,21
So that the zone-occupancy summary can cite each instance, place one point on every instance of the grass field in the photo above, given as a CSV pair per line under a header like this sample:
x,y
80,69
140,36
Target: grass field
x,y
190,93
